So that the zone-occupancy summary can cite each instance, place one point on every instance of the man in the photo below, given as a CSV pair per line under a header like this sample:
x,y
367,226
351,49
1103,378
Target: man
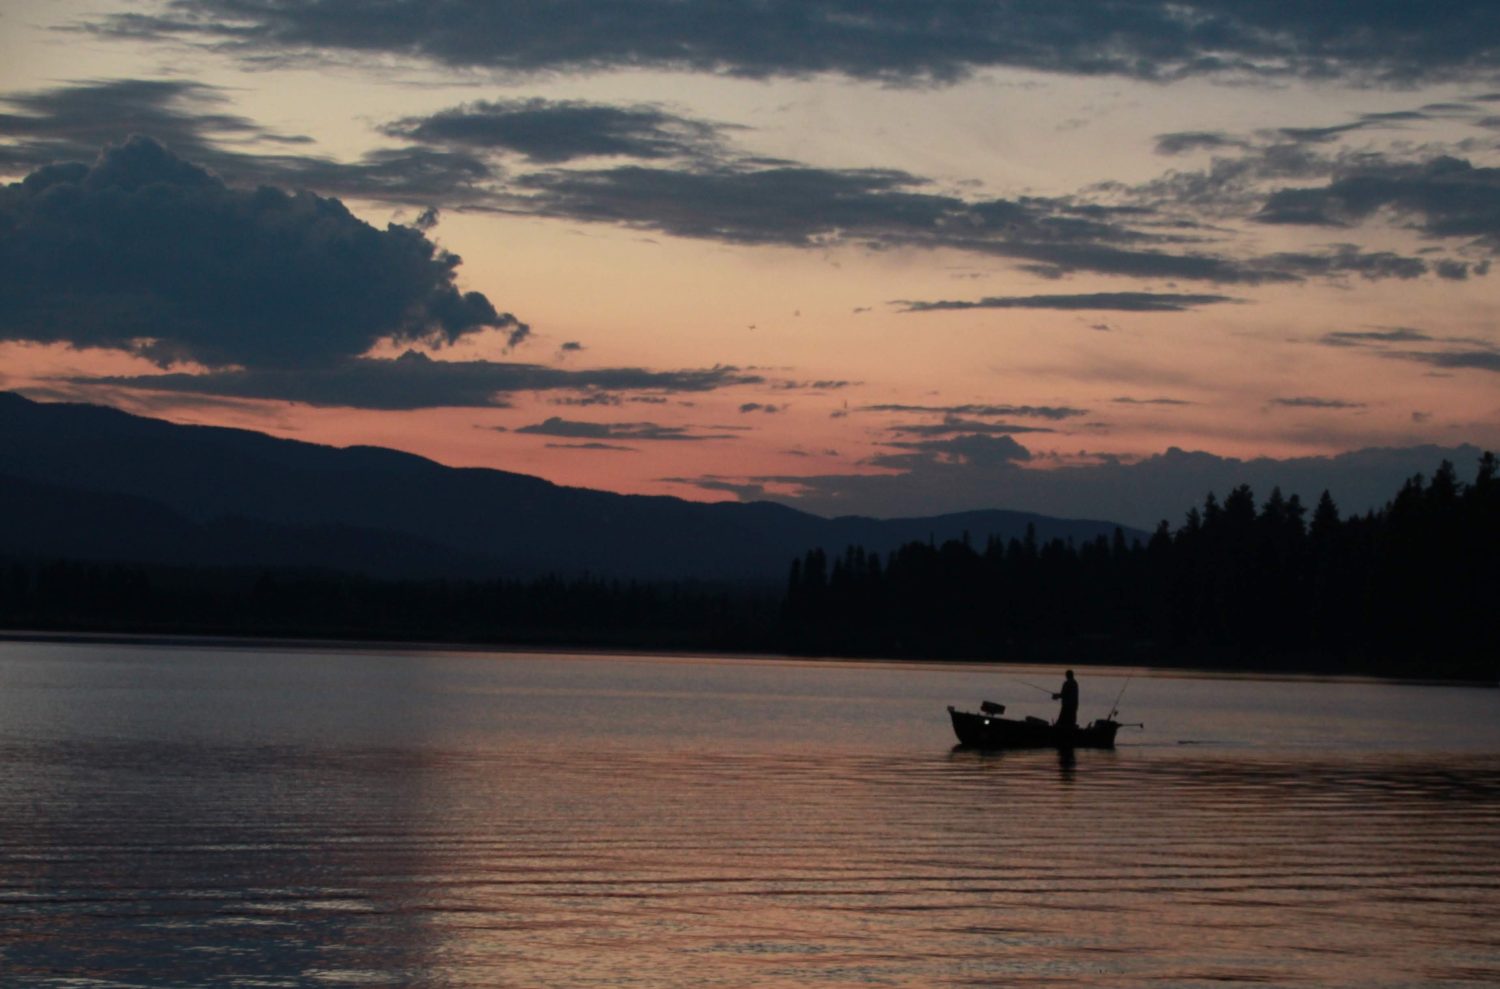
x,y
1068,716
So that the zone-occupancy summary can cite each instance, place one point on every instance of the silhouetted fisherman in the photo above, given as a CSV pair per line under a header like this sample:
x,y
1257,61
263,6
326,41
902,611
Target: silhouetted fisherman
x,y
1068,716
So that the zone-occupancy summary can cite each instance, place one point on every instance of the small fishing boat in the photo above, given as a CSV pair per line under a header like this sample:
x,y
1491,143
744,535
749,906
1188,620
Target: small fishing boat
x,y
987,730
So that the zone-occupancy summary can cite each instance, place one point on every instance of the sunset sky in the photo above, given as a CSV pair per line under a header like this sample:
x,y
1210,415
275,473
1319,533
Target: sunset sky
x,y
886,258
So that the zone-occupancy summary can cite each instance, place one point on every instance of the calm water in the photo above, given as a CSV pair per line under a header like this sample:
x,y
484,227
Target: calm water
x,y
204,817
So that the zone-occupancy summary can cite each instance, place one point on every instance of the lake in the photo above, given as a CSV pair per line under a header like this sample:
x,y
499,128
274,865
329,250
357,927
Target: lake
x,y
191,815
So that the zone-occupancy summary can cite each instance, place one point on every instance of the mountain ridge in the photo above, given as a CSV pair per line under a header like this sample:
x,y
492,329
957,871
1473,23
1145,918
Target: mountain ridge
x,y
432,519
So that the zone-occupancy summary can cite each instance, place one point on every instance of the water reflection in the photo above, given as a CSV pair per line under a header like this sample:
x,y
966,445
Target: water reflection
x,y
170,822
134,860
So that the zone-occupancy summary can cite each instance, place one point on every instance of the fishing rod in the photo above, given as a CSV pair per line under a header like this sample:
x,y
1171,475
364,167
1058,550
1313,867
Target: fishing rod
x,y
1115,708
1049,693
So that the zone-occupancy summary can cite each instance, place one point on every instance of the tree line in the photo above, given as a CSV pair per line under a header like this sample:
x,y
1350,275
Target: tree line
x,y
62,595
1406,589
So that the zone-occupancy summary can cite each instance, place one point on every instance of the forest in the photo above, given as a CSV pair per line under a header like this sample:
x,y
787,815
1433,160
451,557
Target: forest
x,y
1408,589
1404,590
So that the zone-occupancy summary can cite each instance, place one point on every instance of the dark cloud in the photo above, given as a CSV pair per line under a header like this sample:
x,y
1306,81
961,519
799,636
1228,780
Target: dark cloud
x,y
824,384
600,398
966,451
1114,301
1323,135
767,408
550,132
1314,402
915,40
1487,359
745,490
1140,494
648,431
1347,259
1458,353
785,205
72,122
1126,400
415,381
147,252
1442,197
696,187
750,203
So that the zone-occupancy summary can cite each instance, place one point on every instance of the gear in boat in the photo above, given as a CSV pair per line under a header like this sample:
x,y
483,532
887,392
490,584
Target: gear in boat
x,y
988,729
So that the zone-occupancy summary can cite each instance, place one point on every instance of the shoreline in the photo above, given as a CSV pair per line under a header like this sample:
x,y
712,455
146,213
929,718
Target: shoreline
x,y
296,643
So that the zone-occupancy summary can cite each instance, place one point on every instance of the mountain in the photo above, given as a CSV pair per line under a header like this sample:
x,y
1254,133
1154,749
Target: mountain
x,y
83,481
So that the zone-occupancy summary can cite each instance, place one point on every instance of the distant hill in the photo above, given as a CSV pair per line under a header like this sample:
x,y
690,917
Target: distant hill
x,y
88,482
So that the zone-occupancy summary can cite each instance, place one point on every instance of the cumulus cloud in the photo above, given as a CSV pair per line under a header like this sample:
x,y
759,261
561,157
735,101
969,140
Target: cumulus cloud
x,y
415,381
146,252
910,41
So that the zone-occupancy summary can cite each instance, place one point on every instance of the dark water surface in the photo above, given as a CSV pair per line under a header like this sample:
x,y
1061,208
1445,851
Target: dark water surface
x,y
189,816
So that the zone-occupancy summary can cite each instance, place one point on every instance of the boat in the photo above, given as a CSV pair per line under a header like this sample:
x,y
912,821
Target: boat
x,y
987,730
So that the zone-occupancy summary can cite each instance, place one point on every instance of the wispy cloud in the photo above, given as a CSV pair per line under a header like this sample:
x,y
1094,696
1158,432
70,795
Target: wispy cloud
x,y
1398,343
637,431
552,132
1111,301
415,381
954,425
1365,338
1055,412
1315,402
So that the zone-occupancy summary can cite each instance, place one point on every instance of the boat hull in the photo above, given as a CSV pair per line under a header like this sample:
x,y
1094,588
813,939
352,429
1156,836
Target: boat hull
x,y
986,731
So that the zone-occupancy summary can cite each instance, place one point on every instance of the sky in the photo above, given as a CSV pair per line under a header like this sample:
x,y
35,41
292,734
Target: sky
x,y
893,258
